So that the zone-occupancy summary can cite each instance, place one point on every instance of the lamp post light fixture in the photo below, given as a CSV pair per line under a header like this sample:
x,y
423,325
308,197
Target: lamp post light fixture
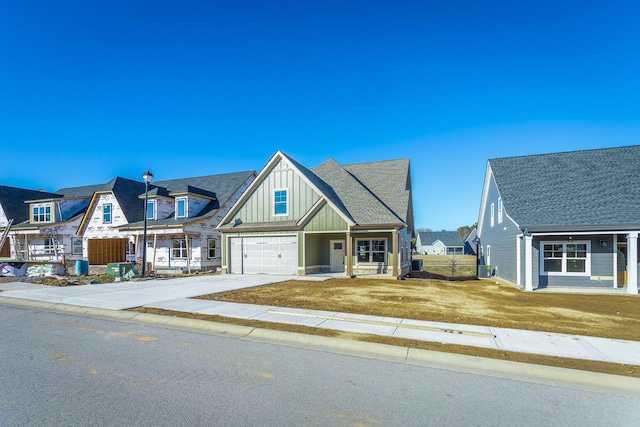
x,y
147,176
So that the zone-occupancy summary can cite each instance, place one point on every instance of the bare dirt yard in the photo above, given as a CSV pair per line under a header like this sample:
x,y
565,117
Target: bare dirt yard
x,y
477,302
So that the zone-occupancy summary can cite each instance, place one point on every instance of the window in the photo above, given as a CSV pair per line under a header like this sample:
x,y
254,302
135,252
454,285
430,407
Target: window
x,y
372,250
280,205
566,258
151,209
492,214
212,248
76,246
106,213
42,213
178,249
499,210
181,208
49,245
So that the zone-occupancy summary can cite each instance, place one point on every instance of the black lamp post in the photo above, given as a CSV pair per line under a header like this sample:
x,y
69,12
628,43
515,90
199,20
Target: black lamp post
x,y
147,176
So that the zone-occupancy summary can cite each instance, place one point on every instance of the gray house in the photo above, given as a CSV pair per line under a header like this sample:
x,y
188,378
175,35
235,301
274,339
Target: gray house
x,y
439,243
564,219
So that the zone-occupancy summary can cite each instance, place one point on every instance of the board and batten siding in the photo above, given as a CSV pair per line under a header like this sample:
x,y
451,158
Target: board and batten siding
x,y
502,238
258,208
326,219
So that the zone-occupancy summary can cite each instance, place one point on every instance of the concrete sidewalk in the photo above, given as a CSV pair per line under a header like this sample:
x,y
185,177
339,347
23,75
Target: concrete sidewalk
x,y
176,294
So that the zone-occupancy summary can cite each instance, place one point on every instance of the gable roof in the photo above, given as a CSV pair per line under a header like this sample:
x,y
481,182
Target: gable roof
x,y
358,192
12,200
587,188
449,238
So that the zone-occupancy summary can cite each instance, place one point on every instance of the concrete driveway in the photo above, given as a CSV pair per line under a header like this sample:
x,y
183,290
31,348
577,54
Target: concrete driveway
x,y
124,295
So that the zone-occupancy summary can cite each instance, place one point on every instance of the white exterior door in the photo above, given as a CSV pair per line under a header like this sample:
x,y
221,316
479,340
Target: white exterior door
x,y
337,256
264,255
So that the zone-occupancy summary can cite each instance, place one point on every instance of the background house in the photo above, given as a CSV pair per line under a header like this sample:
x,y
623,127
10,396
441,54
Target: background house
x,y
14,210
439,243
48,233
181,219
349,219
563,219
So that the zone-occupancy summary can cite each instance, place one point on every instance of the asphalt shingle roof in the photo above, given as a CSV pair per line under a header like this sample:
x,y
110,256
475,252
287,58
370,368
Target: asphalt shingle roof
x,y
220,187
12,200
449,238
372,192
588,188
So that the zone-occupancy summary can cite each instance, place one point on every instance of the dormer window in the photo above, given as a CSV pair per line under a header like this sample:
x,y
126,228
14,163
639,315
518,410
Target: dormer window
x,y
41,213
151,209
181,207
280,202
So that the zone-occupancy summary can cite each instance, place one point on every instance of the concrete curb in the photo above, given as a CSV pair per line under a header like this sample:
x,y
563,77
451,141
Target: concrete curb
x,y
540,374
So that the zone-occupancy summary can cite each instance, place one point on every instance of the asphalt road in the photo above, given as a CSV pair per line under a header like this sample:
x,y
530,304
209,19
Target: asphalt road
x,y
61,370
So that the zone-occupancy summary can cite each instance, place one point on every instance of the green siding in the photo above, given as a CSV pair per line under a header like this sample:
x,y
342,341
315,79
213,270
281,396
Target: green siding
x,y
326,219
258,208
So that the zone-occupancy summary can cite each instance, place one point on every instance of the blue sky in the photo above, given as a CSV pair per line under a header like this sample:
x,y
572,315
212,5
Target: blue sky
x,y
93,90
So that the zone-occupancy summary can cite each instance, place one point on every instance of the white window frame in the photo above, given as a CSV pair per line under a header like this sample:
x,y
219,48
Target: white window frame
x,y
181,251
493,210
154,209
42,213
279,203
104,214
565,258
49,246
371,252
186,207
500,210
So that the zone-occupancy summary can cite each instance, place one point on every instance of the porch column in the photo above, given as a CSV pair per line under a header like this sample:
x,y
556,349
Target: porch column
x,y
632,263
528,263
186,242
394,245
349,269
614,248
153,260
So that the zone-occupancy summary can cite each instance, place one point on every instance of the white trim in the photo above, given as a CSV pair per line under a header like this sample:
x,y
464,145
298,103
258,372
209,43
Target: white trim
x,y
518,260
186,207
614,248
493,214
564,272
273,202
500,209
278,155
632,263
155,209
528,262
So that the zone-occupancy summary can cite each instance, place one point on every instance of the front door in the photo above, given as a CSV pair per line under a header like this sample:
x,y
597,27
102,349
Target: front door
x,y
337,256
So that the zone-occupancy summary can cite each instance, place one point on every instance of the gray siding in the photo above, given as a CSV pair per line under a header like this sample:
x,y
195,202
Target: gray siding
x,y
601,274
501,237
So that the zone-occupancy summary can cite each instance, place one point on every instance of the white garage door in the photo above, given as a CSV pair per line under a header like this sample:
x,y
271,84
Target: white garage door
x,y
264,255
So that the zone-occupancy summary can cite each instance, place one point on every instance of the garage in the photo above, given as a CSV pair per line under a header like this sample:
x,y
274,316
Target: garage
x,y
264,255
